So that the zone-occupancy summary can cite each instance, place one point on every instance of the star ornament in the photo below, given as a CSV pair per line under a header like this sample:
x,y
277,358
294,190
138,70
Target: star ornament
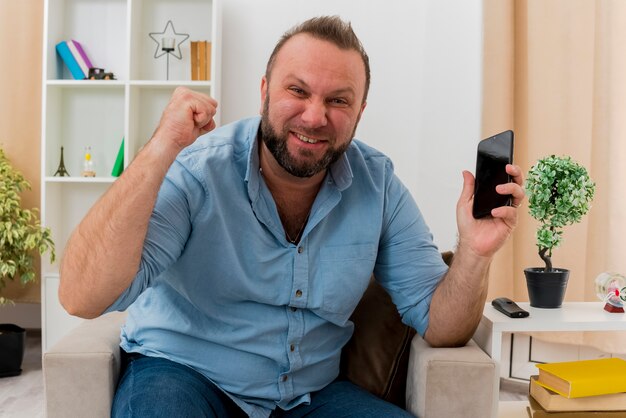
x,y
168,32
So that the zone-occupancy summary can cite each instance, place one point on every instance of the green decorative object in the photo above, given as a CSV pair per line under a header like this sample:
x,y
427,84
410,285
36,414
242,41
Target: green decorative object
x,y
118,167
21,234
559,193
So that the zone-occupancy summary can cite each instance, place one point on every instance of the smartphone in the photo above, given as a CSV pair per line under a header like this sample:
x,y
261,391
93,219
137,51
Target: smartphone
x,y
494,153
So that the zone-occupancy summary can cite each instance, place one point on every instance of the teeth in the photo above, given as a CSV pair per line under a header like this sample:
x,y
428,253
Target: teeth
x,y
306,139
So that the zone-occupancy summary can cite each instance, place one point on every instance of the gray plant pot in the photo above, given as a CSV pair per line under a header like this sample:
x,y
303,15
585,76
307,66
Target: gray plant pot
x,y
12,344
546,289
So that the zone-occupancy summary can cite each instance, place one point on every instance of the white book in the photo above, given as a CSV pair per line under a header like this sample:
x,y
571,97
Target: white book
x,y
78,57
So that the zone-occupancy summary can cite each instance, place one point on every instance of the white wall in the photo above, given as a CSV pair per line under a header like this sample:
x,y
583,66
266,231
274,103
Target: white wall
x,y
424,106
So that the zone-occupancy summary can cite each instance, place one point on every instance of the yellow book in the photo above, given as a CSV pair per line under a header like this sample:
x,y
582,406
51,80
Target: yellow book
x,y
574,379
207,73
536,411
202,60
553,402
195,65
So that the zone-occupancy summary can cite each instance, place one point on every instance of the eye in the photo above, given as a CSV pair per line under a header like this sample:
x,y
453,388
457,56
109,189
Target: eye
x,y
339,101
297,91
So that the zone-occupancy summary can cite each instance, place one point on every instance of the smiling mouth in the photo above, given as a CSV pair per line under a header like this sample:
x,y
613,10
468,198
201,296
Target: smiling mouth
x,y
306,139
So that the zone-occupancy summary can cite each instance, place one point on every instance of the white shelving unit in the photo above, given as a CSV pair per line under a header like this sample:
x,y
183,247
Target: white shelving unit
x,y
100,113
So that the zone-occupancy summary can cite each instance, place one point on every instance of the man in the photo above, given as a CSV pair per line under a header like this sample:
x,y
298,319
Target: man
x,y
245,251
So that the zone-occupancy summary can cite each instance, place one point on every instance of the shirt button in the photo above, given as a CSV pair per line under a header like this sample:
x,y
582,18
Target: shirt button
x,y
300,250
284,378
292,347
293,309
298,293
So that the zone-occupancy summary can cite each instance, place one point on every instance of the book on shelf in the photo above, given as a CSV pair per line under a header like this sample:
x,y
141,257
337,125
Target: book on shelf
x,y
200,60
574,379
552,401
195,68
207,68
80,56
70,62
118,167
536,411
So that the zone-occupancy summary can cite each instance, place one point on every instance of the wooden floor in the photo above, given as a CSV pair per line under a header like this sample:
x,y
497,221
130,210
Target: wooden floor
x,y
513,390
22,396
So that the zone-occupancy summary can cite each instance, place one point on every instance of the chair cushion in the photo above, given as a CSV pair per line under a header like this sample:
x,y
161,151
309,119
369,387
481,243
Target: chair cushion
x,y
377,356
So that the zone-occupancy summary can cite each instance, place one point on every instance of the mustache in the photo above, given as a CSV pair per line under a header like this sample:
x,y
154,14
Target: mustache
x,y
318,133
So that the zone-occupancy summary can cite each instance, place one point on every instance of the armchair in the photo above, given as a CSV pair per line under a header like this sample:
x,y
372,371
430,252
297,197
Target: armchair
x,y
384,356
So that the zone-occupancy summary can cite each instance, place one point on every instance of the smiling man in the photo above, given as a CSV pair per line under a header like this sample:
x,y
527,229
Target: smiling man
x,y
317,101
247,249
317,95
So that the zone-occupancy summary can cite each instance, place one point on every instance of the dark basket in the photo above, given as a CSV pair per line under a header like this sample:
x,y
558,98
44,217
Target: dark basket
x,y
12,344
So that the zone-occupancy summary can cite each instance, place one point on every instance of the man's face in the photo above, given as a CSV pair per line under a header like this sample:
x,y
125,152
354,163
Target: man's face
x,y
316,92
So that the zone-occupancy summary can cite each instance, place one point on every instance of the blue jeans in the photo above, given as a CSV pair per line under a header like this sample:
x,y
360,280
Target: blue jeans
x,y
155,387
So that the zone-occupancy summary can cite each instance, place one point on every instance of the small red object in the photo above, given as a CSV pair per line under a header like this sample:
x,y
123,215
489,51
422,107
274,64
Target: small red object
x,y
613,309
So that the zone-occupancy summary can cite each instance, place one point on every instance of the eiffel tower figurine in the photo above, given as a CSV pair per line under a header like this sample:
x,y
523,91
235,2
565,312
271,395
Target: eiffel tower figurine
x,y
61,171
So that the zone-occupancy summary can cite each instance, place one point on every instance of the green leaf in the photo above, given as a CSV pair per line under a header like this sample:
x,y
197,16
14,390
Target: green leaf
x,y
559,192
20,231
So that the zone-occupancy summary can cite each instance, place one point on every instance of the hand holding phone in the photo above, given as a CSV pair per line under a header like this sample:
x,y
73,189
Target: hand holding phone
x,y
494,153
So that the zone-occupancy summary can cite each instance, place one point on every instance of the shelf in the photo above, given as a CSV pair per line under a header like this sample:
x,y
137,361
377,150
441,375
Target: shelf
x,y
170,84
100,27
81,117
65,204
192,17
80,179
122,83
86,83
98,114
146,103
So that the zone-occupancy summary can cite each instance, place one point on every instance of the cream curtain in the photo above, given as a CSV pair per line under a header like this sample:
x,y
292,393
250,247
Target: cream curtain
x,y
21,26
555,71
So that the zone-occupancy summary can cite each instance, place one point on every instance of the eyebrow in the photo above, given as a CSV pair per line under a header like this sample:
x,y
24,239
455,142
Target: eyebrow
x,y
342,90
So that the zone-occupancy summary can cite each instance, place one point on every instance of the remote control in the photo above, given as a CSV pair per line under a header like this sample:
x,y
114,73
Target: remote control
x,y
509,308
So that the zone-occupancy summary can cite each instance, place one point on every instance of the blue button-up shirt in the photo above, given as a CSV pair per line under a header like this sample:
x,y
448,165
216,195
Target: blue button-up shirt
x,y
221,290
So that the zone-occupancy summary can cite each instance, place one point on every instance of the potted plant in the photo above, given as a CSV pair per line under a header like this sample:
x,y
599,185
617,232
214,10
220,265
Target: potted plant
x,y
21,236
559,193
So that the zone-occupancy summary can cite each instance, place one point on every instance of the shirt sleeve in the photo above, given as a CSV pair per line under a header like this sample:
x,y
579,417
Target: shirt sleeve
x,y
409,265
168,230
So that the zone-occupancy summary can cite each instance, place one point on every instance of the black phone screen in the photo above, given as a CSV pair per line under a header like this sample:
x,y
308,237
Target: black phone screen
x,y
494,153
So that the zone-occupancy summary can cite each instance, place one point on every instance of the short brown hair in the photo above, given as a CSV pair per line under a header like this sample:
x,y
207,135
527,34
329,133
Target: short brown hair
x,y
328,28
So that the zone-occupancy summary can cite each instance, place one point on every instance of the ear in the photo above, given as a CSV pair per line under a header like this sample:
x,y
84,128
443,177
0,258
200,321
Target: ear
x,y
362,108
358,119
264,85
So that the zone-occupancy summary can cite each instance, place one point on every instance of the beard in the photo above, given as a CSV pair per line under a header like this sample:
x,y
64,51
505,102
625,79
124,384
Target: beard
x,y
276,143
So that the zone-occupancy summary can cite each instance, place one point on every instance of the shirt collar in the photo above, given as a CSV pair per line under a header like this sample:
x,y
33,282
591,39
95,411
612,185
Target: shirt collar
x,y
252,171
341,172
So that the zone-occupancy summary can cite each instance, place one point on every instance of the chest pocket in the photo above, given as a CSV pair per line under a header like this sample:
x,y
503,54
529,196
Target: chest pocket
x,y
345,270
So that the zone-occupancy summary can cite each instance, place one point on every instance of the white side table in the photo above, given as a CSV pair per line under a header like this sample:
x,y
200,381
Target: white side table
x,y
572,316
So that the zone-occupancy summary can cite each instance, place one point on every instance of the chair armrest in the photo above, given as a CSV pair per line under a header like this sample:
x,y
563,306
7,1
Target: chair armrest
x,y
449,382
82,369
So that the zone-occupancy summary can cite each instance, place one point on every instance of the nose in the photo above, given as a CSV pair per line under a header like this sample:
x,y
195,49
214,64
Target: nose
x,y
314,115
